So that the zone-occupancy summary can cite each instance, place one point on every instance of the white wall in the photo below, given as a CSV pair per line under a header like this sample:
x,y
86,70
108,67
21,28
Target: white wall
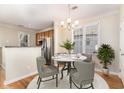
x,y
9,35
109,33
122,42
0,56
20,62
60,35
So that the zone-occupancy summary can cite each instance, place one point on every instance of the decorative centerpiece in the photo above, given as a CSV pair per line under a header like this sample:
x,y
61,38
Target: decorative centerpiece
x,y
106,55
68,45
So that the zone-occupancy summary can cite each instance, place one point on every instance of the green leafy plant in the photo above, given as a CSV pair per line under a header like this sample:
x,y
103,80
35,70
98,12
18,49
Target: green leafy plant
x,y
106,55
68,45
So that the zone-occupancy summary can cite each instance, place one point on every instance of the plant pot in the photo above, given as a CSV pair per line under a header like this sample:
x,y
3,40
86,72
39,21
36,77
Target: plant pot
x,y
105,71
69,51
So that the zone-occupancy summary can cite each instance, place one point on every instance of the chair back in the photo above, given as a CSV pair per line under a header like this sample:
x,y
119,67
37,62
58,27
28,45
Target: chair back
x,y
40,64
89,57
85,70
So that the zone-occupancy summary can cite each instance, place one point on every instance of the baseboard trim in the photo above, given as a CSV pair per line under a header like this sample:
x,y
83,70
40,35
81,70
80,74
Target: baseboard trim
x,y
2,66
6,82
122,78
114,73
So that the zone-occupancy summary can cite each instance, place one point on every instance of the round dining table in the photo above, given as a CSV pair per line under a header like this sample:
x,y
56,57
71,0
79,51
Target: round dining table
x,y
68,59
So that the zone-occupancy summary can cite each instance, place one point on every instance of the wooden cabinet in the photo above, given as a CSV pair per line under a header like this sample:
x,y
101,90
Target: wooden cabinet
x,y
42,35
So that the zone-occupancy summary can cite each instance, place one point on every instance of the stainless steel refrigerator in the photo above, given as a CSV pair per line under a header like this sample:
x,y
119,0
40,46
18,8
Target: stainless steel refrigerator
x,y
47,49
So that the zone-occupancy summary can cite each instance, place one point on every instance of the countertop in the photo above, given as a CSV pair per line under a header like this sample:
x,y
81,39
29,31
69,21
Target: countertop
x,y
21,47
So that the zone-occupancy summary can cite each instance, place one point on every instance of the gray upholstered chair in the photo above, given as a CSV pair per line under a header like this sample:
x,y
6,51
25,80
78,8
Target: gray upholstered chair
x,y
83,75
46,71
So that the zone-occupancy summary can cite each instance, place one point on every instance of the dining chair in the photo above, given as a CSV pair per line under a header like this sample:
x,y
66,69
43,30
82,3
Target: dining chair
x,y
46,71
83,75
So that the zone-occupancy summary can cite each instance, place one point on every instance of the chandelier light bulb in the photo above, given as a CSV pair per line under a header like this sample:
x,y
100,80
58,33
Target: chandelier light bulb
x,y
76,22
62,23
68,20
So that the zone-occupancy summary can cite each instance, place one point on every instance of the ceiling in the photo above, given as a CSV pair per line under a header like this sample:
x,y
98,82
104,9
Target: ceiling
x,y
41,16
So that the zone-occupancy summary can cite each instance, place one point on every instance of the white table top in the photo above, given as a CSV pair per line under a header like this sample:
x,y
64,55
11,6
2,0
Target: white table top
x,y
68,58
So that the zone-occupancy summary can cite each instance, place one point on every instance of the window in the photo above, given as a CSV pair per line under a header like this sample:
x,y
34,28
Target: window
x,y
24,39
78,39
86,38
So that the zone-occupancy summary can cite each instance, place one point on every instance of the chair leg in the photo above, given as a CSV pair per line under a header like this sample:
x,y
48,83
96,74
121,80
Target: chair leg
x,y
70,82
39,83
80,86
56,80
92,86
38,80
53,77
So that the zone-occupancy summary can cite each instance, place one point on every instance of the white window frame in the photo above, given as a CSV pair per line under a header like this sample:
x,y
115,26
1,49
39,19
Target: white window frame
x,y
84,33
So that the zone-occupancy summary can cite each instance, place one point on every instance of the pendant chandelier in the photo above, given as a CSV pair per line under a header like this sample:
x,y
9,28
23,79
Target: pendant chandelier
x,y
69,25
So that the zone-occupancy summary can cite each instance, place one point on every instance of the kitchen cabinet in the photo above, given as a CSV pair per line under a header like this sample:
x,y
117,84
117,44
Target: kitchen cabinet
x,y
43,35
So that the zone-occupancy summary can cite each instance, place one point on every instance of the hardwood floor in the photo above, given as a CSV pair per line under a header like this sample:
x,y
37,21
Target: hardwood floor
x,y
113,81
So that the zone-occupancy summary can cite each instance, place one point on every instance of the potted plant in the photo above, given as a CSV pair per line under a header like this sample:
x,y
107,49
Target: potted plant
x,y
106,55
68,45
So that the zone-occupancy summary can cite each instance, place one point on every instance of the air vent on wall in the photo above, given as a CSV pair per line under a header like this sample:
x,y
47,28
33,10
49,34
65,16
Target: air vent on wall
x,y
74,7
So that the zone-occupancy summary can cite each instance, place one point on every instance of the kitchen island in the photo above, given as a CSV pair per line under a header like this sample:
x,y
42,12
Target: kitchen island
x,y
19,62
